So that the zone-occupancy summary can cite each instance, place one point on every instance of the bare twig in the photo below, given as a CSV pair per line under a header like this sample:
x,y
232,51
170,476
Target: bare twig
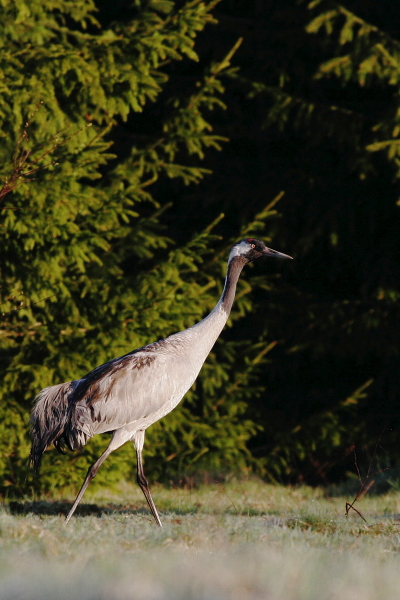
x,y
349,506
365,485
225,492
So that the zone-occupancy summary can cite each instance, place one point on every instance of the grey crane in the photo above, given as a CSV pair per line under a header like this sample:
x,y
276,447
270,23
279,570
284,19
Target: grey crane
x,y
128,394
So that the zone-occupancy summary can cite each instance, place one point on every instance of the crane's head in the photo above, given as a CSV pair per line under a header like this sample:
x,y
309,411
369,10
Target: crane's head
x,y
250,249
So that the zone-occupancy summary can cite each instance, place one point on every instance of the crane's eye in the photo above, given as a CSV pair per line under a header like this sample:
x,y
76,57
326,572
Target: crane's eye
x,y
253,245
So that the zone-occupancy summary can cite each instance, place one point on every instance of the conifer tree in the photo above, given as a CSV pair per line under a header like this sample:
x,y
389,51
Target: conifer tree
x,y
88,269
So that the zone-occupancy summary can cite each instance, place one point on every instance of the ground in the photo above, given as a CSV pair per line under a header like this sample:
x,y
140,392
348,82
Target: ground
x,y
242,540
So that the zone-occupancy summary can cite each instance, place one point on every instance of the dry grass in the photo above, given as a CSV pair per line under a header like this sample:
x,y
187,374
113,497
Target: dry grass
x,y
243,540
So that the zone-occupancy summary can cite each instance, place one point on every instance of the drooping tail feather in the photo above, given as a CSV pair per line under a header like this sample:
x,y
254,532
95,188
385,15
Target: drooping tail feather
x,y
48,420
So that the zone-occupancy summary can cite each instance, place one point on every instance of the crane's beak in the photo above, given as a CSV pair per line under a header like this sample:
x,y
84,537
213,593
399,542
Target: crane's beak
x,y
274,254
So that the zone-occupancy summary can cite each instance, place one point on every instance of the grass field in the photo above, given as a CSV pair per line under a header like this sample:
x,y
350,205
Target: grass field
x,y
241,541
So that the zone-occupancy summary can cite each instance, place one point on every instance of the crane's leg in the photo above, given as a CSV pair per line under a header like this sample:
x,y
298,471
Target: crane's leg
x,y
138,440
115,443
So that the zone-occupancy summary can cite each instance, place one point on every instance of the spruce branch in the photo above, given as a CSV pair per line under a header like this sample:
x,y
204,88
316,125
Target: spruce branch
x,y
24,166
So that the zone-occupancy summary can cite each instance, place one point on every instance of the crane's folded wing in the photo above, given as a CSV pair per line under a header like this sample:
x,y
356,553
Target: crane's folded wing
x,y
142,387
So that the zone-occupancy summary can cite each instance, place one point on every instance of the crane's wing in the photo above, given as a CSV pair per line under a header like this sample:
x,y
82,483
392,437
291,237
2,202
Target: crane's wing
x,y
137,386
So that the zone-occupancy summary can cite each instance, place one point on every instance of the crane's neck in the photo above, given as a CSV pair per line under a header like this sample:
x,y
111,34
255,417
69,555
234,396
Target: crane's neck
x,y
235,266
209,328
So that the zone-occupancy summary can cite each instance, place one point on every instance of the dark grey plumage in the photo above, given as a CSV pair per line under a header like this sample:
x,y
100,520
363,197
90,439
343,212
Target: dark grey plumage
x,y
127,394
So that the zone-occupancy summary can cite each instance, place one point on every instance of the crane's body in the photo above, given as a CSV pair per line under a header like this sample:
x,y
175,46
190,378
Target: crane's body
x,y
128,394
